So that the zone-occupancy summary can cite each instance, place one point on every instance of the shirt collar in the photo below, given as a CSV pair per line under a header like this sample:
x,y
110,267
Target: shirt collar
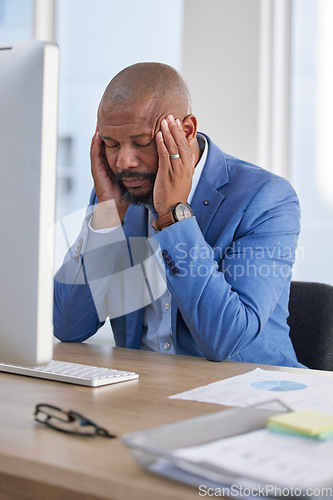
x,y
203,144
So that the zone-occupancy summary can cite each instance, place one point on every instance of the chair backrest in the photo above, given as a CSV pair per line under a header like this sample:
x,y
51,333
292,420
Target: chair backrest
x,y
311,323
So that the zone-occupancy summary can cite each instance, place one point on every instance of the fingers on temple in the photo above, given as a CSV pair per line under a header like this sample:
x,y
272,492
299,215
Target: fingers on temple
x,y
162,150
96,143
174,138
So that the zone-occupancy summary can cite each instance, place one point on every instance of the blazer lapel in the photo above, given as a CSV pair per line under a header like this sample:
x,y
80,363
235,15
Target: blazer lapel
x,y
205,203
136,221
207,197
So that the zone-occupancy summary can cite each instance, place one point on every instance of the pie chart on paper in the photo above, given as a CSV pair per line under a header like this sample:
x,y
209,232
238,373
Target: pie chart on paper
x,y
278,385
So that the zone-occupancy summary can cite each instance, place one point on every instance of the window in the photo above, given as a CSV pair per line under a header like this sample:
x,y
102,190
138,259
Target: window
x,y
16,20
66,174
311,135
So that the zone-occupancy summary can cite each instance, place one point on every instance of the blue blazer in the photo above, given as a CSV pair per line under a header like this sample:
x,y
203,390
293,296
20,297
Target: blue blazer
x,y
233,261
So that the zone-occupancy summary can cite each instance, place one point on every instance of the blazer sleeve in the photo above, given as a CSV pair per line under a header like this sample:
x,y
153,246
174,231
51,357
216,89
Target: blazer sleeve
x,y
82,282
226,294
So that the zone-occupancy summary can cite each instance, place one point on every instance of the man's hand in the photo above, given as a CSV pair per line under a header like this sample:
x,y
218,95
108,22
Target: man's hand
x,y
174,176
111,208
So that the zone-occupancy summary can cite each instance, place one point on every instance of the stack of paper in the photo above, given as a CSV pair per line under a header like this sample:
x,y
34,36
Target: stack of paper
x,y
307,423
271,460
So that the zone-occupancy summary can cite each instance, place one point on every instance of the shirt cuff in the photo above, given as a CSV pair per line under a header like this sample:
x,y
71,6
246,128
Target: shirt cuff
x,y
102,237
101,231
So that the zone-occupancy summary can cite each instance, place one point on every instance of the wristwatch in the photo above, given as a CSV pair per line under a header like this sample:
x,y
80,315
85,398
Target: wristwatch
x,y
178,212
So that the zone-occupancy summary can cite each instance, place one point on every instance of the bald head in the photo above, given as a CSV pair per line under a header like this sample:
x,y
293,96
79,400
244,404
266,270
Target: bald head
x,y
150,80
132,119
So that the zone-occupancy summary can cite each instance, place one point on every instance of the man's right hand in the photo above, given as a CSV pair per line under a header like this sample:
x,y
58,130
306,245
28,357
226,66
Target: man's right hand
x,y
111,208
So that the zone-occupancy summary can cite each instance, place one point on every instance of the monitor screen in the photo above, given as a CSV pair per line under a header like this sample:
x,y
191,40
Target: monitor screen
x,y
28,142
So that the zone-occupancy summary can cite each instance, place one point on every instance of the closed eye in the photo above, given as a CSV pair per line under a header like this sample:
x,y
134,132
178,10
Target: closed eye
x,y
144,145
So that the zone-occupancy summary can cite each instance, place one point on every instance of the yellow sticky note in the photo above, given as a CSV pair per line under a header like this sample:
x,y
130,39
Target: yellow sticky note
x,y
307,422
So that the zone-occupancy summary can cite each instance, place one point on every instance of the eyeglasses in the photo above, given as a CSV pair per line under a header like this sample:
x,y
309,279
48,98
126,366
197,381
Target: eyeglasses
x,y
69,421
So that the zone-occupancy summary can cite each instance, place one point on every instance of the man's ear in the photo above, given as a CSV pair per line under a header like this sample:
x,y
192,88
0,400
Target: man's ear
x,y
190,128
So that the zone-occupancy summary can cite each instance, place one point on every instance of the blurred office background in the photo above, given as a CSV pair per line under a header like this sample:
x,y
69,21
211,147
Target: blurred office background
x,y
260,71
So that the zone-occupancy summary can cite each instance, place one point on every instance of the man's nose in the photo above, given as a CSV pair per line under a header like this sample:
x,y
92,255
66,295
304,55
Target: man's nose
x,y
126,158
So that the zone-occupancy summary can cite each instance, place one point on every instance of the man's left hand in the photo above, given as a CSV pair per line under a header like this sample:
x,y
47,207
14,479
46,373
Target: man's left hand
x,y
174,176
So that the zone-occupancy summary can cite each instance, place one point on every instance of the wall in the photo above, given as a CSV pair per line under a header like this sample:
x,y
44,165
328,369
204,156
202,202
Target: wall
x,y
221,64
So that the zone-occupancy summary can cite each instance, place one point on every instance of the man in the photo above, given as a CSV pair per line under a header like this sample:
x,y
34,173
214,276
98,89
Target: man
x,y
223,231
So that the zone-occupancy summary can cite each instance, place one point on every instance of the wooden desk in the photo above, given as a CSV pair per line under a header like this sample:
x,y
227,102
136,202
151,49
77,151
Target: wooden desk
x,y
39,463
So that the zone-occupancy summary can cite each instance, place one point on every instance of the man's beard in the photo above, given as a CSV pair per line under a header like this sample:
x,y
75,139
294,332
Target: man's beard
x,y
140,198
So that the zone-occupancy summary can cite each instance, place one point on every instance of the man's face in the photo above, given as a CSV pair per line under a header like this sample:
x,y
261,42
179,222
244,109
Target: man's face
x,y
128,132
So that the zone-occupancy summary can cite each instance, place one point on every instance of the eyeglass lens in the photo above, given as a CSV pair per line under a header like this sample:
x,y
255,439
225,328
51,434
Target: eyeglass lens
x,y
70,422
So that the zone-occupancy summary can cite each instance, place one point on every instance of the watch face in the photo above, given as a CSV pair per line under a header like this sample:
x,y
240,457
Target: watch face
x,y
182,211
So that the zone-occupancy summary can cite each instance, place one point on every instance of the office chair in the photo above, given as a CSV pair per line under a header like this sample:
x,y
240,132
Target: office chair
x,y
311,323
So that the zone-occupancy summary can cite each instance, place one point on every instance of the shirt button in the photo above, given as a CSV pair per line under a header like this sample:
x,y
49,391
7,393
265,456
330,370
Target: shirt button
x,y
167,306
167,345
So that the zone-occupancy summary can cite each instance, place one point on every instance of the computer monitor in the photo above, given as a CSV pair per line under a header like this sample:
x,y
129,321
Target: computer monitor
x,y
28,141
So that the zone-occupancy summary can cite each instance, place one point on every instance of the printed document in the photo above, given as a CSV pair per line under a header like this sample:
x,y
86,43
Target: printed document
x,y
267,458
299,391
